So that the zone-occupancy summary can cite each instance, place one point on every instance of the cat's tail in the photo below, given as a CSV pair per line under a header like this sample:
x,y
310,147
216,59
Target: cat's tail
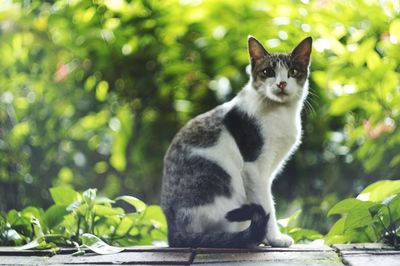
x,y
248,238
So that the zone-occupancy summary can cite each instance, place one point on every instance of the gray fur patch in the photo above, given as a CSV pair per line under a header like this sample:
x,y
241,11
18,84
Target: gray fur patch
x,y
202,131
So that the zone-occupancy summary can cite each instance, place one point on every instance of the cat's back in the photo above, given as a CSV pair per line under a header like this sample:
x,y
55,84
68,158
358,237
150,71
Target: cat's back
x,y
203,130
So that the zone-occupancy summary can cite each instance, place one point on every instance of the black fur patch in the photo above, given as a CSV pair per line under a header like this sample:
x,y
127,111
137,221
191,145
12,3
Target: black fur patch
x,y
246,132
178,236
245,212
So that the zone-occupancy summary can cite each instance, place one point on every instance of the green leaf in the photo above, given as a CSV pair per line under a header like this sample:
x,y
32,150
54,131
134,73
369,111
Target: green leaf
x,y
389,199
78,253
89,196
101,210
358,216
338,227
156,216
55,215
374,210
304,234
337,239
33,244
31,212
97,245
139,205
102,90
39,243
379,191
394,206
102,200
394,28
19,223
344,206
125,225
74,205
37,228
63,195
158,235
344,104
293,219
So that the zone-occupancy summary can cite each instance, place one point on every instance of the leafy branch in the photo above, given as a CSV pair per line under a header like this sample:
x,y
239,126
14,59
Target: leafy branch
x,y
76,216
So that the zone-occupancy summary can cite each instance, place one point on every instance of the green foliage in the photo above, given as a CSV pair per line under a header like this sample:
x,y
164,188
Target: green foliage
x,y
291,227
373,216
76,217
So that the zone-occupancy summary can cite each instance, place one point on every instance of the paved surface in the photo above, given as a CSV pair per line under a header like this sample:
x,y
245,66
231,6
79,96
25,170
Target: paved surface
x,y
357,255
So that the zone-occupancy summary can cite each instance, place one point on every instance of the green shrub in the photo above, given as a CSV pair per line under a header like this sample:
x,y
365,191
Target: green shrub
x,y
374,215
75,214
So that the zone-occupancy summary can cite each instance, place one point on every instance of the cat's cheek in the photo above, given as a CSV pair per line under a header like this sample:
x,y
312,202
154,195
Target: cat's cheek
x,y
268,88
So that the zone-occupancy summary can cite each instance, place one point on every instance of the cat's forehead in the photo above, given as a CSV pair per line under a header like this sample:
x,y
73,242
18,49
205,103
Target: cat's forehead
x,y
278,59
274,60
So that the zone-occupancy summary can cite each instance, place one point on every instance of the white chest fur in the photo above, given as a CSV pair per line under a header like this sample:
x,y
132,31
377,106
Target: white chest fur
x,y
281,128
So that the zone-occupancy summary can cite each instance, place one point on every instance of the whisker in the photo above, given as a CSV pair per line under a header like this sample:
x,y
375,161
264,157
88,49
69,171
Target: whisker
x,y
310,107
311,100
313,93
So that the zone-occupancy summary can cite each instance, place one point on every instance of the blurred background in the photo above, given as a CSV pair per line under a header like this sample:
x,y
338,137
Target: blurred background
x,y
92,92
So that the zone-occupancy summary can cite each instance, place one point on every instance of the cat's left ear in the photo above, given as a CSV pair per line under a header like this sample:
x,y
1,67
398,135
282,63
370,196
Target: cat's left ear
x,y
301,53
256,50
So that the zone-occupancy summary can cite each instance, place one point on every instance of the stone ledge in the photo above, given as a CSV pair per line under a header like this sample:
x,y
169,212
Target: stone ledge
x,y
300,254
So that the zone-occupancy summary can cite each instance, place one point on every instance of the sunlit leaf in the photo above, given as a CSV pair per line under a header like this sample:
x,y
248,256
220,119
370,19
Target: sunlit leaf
x,y
358,217
99,246
54,215
63,195
139,205
105,210
380,190
89,196
345,206
34,244
304,234
156,216
337,228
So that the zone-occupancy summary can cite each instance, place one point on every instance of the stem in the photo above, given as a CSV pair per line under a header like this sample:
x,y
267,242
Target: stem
x,y
77,228
384,227
33,232
115,230
391,224
92,224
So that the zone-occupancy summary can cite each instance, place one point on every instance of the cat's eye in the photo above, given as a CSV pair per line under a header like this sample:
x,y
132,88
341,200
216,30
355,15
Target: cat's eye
x,y
268,72
293,72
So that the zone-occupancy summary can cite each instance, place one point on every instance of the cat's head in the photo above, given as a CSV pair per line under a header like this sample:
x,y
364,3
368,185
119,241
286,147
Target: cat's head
x,y
280,77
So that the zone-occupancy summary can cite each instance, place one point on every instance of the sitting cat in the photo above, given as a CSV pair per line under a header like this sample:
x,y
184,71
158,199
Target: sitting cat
x,y
219,168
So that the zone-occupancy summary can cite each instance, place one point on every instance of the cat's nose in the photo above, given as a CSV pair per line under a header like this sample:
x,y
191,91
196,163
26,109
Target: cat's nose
x,y
282,85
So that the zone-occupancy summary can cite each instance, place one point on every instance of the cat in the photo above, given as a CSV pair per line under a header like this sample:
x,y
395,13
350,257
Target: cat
x,y
219,168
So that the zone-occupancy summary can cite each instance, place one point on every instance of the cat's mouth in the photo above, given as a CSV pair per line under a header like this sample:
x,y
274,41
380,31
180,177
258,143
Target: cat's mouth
x,y
279,97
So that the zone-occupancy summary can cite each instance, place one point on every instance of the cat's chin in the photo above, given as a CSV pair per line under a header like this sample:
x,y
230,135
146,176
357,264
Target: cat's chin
x,y
282,98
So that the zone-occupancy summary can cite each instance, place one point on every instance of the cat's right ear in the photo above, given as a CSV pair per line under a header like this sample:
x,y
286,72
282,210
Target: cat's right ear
x,y
256,50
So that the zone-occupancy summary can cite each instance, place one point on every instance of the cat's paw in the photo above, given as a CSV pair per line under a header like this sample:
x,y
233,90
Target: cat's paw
x,y
280,240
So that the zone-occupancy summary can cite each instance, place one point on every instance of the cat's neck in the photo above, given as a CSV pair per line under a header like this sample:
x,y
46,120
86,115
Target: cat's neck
x,y
250,101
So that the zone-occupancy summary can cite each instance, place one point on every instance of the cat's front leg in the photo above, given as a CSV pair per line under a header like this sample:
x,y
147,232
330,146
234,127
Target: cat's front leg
x,y
274,237
258,190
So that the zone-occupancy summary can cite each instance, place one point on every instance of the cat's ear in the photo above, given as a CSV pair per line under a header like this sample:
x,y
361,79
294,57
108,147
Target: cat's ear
x,y
256,50
301,53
